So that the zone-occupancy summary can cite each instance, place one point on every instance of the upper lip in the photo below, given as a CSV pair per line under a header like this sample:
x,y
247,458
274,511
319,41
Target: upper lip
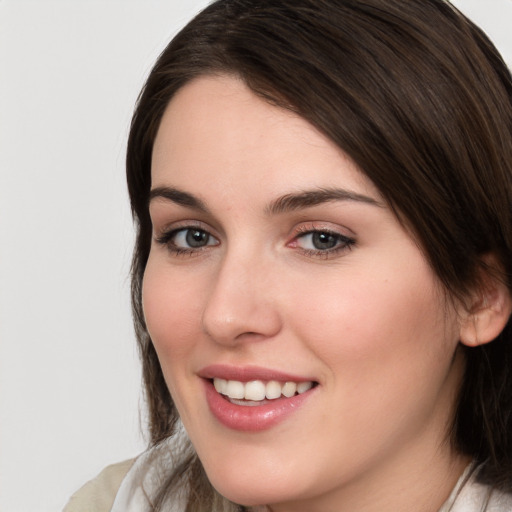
x,y
248,373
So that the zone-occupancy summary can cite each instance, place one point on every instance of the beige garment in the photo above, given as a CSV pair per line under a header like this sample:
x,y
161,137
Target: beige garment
x,y
98,494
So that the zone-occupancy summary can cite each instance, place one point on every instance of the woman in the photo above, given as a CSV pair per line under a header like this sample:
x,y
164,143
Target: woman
x,y
321,279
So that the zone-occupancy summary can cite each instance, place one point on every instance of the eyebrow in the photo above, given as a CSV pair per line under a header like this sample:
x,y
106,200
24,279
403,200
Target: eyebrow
x,y
179,197
283,204
310,198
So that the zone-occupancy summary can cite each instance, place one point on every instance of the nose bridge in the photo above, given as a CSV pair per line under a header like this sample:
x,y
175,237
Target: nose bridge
x,y
241,301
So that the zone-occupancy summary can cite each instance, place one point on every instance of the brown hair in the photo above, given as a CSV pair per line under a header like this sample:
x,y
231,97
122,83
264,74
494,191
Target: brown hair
x,y
421,100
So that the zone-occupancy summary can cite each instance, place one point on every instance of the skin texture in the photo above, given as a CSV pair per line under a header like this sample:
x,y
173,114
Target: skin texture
x,y
367,321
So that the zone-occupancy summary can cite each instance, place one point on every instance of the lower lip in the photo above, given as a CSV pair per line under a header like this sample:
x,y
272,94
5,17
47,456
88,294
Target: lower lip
x,y
252,418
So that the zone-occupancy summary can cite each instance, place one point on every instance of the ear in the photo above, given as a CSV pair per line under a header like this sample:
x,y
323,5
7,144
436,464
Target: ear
x,y
489,307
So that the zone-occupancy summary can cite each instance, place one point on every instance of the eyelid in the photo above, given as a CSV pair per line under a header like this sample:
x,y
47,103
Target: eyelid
x,y
169,227
348,240
327,227
164,236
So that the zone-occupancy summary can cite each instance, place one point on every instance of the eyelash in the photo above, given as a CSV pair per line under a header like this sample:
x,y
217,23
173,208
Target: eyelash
x,y
166,239
343,243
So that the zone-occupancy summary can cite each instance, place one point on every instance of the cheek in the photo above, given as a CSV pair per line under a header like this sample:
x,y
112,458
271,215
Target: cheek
x,y
390,329
171,311
387,346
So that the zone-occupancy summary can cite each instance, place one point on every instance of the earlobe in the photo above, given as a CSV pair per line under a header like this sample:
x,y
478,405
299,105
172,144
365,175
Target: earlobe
x,y
488,313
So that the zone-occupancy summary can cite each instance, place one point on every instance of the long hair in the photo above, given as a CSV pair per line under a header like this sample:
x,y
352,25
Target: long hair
x,y
421,101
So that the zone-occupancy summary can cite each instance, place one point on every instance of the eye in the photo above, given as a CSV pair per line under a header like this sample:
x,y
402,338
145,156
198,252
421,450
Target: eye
x,y
187,240
192,238
323,242
320,240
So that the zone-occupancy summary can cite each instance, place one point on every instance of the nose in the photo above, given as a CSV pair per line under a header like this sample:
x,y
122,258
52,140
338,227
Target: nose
x,y
242,302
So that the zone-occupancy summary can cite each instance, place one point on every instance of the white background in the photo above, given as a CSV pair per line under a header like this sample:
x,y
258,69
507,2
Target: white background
x,y
70,72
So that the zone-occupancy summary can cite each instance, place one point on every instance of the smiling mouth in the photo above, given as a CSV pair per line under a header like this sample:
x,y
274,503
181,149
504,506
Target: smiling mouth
x,y
259,392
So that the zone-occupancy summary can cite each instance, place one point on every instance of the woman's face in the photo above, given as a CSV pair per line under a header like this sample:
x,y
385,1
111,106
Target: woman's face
x,y
276,266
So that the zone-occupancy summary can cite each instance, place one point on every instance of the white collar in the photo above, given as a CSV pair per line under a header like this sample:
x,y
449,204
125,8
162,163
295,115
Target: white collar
x,y
144,479
468,495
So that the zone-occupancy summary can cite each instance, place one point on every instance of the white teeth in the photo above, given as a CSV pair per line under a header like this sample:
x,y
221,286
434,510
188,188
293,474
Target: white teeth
x,y
289,389
220,385
235,389
257,390
273,390
302,387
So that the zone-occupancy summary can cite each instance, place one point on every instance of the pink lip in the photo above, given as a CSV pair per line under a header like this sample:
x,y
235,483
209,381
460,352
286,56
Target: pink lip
x,y
250,418
248,373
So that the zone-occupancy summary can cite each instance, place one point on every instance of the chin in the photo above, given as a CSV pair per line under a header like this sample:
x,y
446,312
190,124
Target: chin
x,y
245,487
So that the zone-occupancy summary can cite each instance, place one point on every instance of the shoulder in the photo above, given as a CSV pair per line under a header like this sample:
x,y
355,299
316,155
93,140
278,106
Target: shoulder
x,y
98,494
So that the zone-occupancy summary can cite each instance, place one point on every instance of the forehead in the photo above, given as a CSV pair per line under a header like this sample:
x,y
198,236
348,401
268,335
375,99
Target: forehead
x,y
216,128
